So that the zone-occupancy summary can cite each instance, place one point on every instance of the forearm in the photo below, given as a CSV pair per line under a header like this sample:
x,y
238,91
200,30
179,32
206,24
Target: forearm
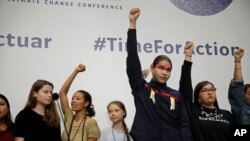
x,y
188,57
65,88
186,88
132,24
237,70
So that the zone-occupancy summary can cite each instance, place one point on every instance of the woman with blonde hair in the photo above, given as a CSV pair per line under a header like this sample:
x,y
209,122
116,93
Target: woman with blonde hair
x,y
119,130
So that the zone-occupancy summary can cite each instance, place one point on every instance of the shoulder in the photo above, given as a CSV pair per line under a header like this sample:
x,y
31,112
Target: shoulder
x,y
106,130
69,114
24,112
173,91
225,112
91,121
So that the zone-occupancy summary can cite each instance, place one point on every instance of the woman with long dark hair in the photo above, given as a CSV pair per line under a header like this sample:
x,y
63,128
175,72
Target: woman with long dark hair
x,y
6,123
79,124
208,121
39,120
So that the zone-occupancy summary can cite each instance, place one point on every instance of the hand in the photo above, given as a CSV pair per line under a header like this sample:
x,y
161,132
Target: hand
x,y
189,48
238,54
134,13
80,68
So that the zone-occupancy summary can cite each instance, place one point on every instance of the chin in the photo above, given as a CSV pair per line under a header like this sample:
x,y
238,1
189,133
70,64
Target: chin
x,y
162,81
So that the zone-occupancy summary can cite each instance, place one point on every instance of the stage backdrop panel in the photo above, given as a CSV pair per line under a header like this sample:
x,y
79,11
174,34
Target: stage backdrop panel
x,y
47,39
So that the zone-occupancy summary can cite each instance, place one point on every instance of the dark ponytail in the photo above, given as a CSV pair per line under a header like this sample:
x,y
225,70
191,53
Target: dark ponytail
x,y
90,108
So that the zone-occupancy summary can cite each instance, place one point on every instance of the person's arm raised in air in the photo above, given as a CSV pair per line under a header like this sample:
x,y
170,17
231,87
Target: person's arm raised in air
x,y
65,88
185,87
236,88
133,63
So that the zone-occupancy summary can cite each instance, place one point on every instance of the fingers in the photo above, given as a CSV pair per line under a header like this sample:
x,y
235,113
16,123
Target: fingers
x,y
134,11
81,67
239,52
189,44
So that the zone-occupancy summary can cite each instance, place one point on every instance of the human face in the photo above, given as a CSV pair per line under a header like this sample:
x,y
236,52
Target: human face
x,y
207,96
247,96
3,108
78,102
115,113
161,71
44,95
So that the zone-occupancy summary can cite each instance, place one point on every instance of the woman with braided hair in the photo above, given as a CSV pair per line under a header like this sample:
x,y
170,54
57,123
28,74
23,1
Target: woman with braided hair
x,y
118,131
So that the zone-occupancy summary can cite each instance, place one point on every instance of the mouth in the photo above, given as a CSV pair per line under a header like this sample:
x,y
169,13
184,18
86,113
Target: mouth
x,y
73,105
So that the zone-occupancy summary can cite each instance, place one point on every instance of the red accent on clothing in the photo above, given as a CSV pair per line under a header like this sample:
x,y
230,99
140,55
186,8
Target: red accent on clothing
x,y
161,92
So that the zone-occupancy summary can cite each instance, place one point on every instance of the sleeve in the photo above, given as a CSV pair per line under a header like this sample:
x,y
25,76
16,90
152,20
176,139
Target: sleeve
x,y
19,131
133,63
185,130
93,129
186,88
236,99
103,135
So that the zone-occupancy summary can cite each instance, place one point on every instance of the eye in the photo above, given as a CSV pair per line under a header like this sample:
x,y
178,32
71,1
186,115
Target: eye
x,y
161,67
204,90
213,89
169,69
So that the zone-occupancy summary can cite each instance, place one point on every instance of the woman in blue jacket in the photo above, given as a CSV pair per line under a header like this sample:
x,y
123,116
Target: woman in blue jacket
x,y
239,95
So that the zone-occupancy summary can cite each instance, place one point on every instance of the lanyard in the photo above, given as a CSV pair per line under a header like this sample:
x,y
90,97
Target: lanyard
x,y
114,134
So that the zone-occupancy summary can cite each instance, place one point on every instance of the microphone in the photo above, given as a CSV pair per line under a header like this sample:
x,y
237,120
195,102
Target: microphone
x,y
55,97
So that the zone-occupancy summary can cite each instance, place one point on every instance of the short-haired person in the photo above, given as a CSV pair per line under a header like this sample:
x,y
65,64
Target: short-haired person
x,y
160,110
208,121
39,120
6,123
119,130
239,95
80,126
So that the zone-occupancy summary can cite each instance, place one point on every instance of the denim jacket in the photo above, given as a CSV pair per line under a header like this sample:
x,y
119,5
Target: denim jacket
x,y
240,110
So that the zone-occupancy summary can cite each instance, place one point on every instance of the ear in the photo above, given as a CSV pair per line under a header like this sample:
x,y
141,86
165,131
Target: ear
x,y
199,101
86,104
34,94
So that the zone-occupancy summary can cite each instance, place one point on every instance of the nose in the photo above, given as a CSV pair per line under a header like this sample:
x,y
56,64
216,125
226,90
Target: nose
x,y
50,94
209,92
164,72
112,113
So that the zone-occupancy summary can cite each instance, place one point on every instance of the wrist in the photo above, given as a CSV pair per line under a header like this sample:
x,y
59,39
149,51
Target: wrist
x,y
188,55
237,68
132,25
237,60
